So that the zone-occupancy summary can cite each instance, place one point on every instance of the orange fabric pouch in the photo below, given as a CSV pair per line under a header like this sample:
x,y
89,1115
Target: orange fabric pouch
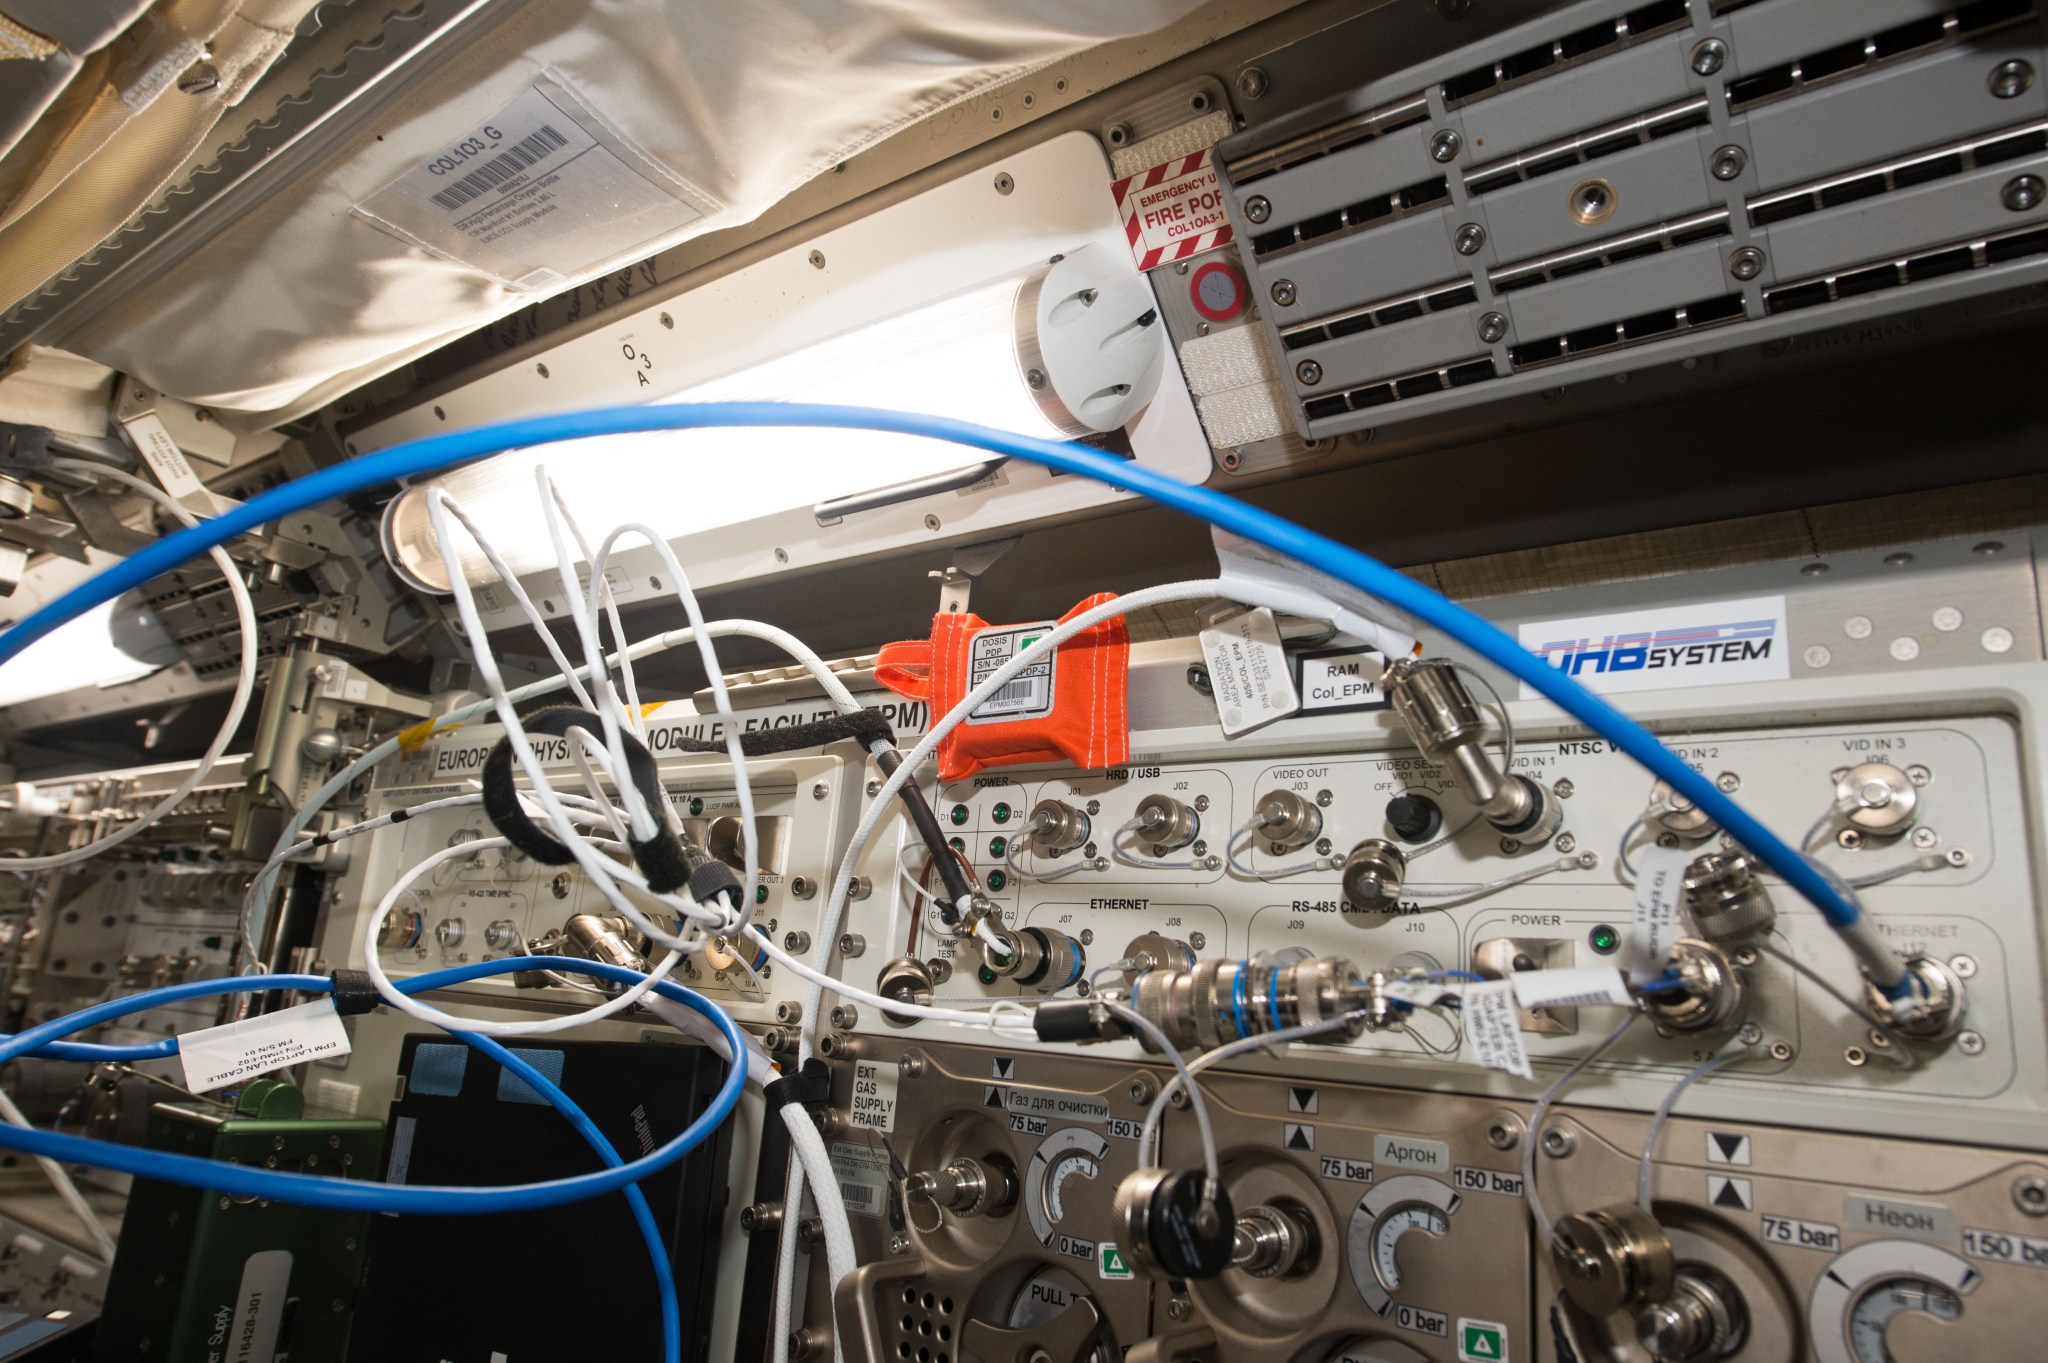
x,y
1073,707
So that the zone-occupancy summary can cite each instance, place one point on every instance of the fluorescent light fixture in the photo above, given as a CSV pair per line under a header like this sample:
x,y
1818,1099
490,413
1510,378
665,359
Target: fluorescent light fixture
x,y
956,358
77,655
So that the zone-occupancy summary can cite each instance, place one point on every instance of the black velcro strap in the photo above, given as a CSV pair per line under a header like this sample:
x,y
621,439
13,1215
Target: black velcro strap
x,y
712,879
354,992
811,1084
867,726
660,858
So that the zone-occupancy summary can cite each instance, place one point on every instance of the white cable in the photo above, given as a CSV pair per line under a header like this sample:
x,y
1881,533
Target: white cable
x,y
1210,1163
264,886
816,1162
821,982
1147,1139
679,582
1081,863
1460,893
1697,1073
413,1008
245,682
600,870
60,1179
1117,852
1535,1134
583,613
834,910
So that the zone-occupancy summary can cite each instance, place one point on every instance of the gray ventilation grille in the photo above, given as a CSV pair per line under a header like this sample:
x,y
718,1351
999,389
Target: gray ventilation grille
x,y
1660,179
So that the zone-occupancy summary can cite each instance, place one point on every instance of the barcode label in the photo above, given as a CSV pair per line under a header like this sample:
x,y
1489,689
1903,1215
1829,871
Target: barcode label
x,y
539,191
1025,695
502,169
862,1173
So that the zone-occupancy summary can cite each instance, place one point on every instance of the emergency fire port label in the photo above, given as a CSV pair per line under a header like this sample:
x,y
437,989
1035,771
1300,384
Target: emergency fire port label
x,y
1173,211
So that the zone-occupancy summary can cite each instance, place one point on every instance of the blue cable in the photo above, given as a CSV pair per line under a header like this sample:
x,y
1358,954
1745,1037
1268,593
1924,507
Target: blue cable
x,y
310,1190
643,1215
439,453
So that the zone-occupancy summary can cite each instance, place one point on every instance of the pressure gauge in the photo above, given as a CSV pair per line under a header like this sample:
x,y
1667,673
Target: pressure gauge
x,y
1059,1178
1862,1291
1391,1210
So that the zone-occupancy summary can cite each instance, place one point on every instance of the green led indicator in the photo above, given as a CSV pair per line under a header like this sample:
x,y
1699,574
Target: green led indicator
x,y
1001,813
997,880
986,976
1604,939
760,894
996,846
696,804
959,815
957,844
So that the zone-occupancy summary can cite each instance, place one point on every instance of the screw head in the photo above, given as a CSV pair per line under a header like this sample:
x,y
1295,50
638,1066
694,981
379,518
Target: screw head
x,y
1258,208
1746,262
1510,846
1708,56
2030,1194
817,259
1308,371
2011,79
1559,1143
910,1064
1727,162
1177,1309
1004,184
1970,1043
1750,1034
1504,1132
1470,238
1492,327
1446,145
1781,1050
1964,966
2023,192
1119,135
1849,839
1253,83
1139,1090
1283,292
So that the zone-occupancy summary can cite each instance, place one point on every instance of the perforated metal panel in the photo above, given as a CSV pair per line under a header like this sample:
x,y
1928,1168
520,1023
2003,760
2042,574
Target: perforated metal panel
x,y
1618,185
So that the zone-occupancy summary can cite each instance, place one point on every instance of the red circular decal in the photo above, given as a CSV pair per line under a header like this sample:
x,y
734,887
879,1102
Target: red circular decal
x,y
1217,291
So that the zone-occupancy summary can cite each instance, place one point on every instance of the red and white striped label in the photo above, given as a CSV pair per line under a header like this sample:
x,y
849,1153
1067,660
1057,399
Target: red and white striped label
x,y
1173,211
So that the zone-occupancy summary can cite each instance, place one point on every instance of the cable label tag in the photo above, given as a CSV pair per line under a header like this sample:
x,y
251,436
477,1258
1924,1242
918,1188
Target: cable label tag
x,y
1248,671
1586,986
217,1057
1024,696
1493,1028
1660,887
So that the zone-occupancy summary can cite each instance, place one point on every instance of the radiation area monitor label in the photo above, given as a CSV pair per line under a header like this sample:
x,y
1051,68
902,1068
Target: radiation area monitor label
x,y
1710,644
539,191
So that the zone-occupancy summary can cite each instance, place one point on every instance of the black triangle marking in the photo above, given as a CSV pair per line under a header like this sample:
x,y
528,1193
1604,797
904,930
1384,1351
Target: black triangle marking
x,y
1004,1063
1304,1099
1729,1141
995,1097
1730,1196
1297,1138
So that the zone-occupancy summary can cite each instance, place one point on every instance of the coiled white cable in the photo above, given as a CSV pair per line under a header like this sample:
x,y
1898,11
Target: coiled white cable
x,y
245,682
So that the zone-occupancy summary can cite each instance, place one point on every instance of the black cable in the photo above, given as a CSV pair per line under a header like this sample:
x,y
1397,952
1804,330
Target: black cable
x,y
932,836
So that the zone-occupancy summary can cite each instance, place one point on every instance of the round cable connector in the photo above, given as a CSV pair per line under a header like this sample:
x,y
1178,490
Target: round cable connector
x,y
1727,901
1711,992
1174,1224
1372,876
1612,1258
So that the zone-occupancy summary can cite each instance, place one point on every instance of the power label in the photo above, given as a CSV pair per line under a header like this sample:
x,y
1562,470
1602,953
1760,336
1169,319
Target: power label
x,y
1173,211
1024,696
